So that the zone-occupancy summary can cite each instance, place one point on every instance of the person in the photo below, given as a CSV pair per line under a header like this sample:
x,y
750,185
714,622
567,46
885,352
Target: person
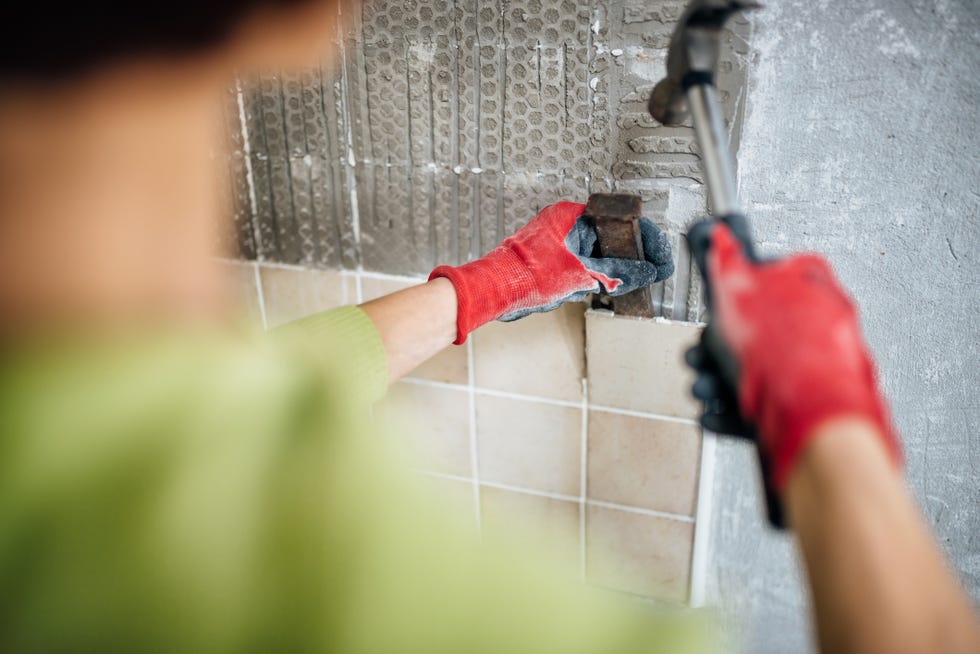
x,y
170,481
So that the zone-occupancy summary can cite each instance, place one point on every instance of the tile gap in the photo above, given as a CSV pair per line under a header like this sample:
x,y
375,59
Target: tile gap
x,y
261,293
647,512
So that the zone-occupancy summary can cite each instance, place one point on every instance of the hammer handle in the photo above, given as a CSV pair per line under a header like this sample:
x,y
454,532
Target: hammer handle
x,y
728,365
716,157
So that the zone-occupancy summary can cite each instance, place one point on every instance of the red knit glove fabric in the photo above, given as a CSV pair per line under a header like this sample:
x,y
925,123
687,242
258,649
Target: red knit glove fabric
x,y
529,269
794,331
532,268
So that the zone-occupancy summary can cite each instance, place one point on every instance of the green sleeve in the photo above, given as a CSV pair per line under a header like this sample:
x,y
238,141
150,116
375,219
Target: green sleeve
x,y
219,495
348,340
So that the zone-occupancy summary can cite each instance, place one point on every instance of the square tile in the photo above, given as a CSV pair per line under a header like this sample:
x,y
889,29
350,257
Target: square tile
x,y
637,553
643,462
435,424
529,444
292,293
531,521
240,280
639,364
542,354
451,365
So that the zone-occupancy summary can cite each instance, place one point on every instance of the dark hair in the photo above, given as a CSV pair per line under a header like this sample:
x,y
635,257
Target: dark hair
x,y
42,40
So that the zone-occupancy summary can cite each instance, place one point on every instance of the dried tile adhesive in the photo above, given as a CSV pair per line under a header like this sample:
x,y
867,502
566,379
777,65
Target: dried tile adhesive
x,y
442,129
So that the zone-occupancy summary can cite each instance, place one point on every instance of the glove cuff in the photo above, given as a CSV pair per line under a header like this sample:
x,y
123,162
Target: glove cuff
x,y
488,288
799,427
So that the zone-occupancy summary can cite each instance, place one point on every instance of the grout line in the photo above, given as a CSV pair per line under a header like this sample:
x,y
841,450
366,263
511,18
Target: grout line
x,y
344,294
527,398
299,267
418,381
234,260
531,491
373,274
355,213
702,525
547,400
493,393
636,509
369,274
474,447
560,496
584,477
261,293
643,414
442,475
249,174
357,275
606,314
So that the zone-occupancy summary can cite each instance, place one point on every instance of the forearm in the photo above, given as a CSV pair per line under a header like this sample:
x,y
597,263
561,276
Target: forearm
x,y
414,324
878,580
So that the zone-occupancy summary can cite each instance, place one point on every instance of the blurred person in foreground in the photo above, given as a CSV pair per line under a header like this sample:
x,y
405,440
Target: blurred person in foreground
x,y
172,482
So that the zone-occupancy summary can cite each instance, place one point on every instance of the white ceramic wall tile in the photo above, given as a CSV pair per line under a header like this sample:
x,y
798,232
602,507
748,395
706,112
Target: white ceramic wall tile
x,y
639,364
541,354
529,444
536,522
291,293
643,462
638,553
633,461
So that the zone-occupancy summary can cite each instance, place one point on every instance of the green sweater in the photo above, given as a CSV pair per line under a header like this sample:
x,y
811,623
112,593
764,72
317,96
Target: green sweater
x,y
224,493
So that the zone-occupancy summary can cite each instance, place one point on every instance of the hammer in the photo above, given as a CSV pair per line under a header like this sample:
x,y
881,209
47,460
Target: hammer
x,y
689,90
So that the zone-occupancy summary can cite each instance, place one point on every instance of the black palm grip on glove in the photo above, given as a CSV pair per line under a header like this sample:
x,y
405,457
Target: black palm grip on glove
x,y
656,265
716,367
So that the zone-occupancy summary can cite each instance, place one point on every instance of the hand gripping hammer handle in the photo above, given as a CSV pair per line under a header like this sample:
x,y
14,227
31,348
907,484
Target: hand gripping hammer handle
x,y
689,89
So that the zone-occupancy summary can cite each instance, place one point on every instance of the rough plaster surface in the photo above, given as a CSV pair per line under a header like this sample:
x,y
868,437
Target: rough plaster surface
x,y
861,142
443,125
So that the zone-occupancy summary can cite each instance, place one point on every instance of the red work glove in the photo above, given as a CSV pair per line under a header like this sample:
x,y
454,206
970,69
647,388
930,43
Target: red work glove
x,y
546,263
802,361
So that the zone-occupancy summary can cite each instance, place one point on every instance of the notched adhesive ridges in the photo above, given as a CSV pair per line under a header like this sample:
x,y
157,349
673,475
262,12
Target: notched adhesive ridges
x,y
446,125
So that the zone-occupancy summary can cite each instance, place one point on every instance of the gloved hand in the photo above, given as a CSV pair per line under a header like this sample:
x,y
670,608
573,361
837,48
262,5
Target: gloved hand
x,y
802,361
546,263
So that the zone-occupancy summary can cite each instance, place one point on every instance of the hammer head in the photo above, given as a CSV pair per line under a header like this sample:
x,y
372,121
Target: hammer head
x,y
693,55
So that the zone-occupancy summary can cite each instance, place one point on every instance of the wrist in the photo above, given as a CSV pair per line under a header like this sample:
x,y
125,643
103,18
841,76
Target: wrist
x,y
444,294
844,460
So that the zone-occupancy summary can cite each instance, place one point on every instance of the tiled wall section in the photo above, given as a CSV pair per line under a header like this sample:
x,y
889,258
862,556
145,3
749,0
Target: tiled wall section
x,y
578,423
439,127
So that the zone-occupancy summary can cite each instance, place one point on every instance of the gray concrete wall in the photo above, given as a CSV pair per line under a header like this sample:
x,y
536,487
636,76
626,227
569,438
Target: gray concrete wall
x,y
861,142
